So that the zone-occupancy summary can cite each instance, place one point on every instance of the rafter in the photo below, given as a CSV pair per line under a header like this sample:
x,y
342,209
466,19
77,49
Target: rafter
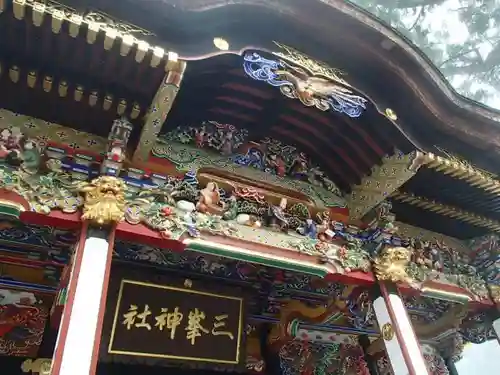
x,y
448,211
160,106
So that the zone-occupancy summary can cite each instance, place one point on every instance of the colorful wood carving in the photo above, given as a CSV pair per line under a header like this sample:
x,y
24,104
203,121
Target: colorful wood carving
x,y
23,316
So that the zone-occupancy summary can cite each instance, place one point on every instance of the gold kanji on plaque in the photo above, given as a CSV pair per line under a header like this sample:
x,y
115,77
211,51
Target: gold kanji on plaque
x,y
194,327
132,315
129,317
219,323
170,320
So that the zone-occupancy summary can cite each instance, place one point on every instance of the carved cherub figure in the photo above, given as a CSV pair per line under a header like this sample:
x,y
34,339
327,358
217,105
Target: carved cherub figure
x,y
209,201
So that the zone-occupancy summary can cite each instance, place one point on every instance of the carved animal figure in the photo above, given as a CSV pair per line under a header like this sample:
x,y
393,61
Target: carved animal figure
x,y
391,264
307,87
104,200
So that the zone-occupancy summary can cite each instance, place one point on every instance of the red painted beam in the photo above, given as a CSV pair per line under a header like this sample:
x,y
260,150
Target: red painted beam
x,y
141,234
133,233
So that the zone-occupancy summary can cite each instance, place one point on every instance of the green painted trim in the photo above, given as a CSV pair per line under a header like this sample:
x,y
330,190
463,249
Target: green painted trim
x,y
277,263
446,296
294,327
10,211
62,297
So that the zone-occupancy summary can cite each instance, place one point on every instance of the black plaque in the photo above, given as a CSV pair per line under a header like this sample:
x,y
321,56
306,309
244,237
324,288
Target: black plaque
x,y
177,323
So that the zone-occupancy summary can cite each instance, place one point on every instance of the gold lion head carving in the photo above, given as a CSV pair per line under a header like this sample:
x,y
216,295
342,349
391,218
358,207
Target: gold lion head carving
x,y
104,202
391,264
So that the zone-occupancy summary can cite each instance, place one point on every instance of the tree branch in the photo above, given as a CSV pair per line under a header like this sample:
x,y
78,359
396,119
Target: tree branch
x,y
458,55
419,17
405,4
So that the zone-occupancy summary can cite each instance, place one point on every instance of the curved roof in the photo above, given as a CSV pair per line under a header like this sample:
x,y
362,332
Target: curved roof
x,y
378,59
103,78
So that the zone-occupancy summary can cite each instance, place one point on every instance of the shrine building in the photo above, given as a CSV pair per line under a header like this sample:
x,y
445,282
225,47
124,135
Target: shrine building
x,y
243,187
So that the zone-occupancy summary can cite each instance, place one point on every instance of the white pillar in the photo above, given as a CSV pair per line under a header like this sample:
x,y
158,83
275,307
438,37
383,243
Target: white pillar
x,y
496,328
401,344
77,346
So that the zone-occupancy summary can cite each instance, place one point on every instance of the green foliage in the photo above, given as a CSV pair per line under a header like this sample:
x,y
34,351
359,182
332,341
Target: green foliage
x,y
461,37
251,208
299,210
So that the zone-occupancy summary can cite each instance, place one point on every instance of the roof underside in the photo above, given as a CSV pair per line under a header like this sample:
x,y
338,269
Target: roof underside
x,y
347,148
84,67
217,89
344,37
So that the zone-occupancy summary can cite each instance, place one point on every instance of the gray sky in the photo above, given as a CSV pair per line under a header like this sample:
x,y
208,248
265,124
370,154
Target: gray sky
x,y
477,358
480,359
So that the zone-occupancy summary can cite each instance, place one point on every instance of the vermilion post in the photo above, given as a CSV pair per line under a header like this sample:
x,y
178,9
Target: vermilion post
x,y
77,345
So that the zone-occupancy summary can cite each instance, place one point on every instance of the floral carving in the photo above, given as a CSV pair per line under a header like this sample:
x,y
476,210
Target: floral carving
x,y
268,155
350,256
52,191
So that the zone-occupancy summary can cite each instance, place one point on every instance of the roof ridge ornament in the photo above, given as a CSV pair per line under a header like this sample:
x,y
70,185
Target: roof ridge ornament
x,y
314,67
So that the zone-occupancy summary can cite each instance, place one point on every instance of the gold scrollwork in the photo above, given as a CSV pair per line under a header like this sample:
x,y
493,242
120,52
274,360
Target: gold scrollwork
x,y
315,67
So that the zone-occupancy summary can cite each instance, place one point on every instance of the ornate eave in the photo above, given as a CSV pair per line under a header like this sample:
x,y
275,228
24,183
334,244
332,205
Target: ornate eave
x,y
448,211
90,66
428,88
91,24
466,194
461,170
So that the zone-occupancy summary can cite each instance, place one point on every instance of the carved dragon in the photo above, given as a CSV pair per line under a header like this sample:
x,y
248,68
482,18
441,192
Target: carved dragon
x,y
298,310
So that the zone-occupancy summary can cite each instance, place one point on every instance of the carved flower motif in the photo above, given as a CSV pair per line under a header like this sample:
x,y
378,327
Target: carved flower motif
x,y
321,246
167,211
342,252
